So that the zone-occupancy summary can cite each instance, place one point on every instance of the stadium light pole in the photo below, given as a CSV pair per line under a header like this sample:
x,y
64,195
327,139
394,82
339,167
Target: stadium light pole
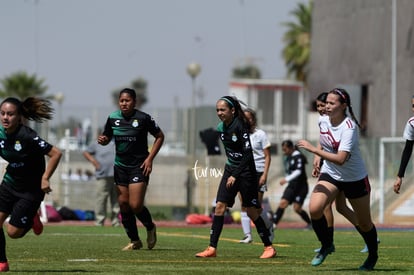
x,y
59,97
193,70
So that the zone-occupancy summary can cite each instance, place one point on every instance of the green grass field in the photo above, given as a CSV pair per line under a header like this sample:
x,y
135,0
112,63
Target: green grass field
x,y
97,250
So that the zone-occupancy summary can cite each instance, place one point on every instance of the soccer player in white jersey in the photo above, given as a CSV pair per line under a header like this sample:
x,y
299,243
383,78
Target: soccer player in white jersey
x,y
343,170
261,154
408,150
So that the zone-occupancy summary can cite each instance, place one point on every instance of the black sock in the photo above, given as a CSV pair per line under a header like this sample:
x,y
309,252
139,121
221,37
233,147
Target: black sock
x,y
145,217
371,239
305,216
322,232
216,228
262,231
3,257
130,225
278,215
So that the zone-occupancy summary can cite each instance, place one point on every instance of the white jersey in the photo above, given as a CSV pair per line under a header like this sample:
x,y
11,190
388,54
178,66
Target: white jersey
x,y
409,129
343,137
259,142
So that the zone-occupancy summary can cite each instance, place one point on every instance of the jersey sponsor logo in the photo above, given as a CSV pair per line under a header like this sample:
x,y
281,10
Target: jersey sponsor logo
x,y
116,122
16,164
135,123
17,146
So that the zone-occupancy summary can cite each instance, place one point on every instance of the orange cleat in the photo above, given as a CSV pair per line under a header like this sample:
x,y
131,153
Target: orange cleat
x,y
269,252
208,253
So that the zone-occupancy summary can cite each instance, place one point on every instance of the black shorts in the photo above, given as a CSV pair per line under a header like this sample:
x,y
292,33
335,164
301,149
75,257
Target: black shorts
x,y
296,194
125,176
352,189
246,184
22,210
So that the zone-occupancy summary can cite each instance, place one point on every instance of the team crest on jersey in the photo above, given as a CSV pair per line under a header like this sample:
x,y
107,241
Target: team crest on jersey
x,y
135,123
234,137
17,146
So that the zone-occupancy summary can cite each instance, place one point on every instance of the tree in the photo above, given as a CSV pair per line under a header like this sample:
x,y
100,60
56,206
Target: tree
x,y
296,52
140,86
247,71
22,85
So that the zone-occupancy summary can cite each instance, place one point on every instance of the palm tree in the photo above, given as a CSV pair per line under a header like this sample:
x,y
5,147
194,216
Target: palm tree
x,y
296,52
22,85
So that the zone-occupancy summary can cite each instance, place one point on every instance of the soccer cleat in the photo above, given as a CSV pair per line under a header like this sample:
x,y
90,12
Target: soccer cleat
x,y
246,239
320,257
4,267
135,245
369,263
37,225
317,250
151,237
269,252
208,253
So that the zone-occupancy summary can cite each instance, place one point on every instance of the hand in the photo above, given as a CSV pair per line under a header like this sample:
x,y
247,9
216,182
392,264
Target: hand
x,y
397,185
306,145
282,181
103,140
315,172
230,181
46,186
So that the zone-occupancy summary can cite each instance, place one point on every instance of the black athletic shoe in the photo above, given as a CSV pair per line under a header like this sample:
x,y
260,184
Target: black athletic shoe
x,y
369,263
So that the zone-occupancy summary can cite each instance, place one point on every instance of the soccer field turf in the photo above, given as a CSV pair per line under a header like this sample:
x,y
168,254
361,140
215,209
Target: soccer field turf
x,y
97,250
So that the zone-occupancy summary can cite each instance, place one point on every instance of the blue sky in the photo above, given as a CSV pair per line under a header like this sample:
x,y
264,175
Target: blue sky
x,y
88,48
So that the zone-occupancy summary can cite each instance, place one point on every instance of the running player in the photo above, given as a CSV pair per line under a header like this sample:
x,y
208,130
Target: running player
x,y
26,180
239,175
343,170
133,164
408,150
297,181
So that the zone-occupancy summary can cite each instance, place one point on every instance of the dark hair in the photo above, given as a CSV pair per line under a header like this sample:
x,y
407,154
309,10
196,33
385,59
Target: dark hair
x,y
233,102
129,91
322,96
32,108
254,118
345,98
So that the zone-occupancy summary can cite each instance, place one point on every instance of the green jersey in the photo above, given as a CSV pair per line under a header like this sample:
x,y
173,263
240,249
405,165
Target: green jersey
x,y
131,136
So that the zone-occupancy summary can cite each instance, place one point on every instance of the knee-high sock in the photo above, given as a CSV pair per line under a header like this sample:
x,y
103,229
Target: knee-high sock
x,y
371,239
262,231
322,232
145,217
216,228
304,216
130,225
3,257
278,215
245,222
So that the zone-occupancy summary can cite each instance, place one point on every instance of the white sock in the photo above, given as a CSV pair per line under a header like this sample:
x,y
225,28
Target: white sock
x,y
245,222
